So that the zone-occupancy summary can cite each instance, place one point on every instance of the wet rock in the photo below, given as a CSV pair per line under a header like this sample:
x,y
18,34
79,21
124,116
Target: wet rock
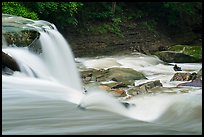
x,y
7,71
107,88
9,62
128,105
176,68
115,92
133,91
183,76
125,75
90,75
176,57
88,78
199,73
15,30
114,85
191,50
194,83
118,93
144,88
193,76
151,84
22,38
119,85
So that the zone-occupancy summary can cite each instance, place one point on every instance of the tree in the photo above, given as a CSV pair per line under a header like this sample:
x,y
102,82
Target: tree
x,y
16,8
113,7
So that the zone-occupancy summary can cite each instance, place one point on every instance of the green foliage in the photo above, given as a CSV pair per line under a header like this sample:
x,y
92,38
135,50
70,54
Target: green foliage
x,y
80,14
59,13
178,7
116,26
179,12
15,8
113,27
137,14
100,11
149,25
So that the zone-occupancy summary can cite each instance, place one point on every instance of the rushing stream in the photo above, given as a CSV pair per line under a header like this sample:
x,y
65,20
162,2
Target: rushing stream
x,y
44,98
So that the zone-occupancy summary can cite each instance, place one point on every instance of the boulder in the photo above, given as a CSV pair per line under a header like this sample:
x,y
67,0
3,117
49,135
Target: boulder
x,y
103,87
22,38
151,84
9,62
144,88
184,76
191,50
119,85
15,30
199,73
177,68
176,57
125,75
194,83
93,75
118,93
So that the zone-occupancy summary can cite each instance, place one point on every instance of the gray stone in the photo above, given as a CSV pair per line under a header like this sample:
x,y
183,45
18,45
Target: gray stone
x,y
176,57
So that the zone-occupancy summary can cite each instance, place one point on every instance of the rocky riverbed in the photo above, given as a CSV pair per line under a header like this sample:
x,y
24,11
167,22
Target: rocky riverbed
x,y
128,82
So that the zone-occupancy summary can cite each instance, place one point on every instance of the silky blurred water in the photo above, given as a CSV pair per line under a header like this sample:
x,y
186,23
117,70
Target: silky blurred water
x,y
30,114
47,108
47,97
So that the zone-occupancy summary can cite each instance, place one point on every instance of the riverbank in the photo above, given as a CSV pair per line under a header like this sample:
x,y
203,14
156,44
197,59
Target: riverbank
x,y
139,36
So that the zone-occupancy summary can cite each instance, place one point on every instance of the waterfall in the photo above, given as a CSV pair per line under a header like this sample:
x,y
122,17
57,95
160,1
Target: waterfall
x,y
46,73
56,53
59,59
32,99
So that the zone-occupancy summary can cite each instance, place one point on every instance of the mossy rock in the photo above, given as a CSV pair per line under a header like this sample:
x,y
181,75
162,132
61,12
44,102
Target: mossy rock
x,y
16,31
191,50
176,57
22,38
124,75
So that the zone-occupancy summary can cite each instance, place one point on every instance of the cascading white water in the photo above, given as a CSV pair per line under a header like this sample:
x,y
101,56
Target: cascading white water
x,y
59,59
53,74
58,78
54,68
148,107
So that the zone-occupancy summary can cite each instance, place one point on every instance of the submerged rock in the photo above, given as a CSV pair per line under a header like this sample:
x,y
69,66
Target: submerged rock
x,y
7,71
128,105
